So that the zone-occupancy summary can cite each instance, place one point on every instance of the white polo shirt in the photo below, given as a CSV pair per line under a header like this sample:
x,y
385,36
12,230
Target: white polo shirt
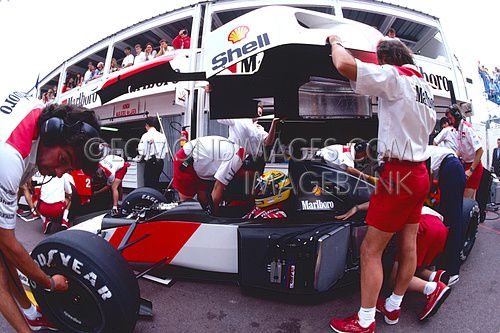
x,y
468,141
246,134
405,109
152,143
339,156
55,189
437,155
19,114
110,165
215,158
447,138
128,60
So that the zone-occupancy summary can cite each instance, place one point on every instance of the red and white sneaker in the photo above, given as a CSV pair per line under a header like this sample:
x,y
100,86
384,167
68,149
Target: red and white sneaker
x,y
46,226
435,300
390,317
40,323
439,276
65,224
350,325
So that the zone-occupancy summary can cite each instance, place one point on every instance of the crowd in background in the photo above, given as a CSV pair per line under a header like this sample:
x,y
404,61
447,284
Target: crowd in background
x,y
491,82
181,41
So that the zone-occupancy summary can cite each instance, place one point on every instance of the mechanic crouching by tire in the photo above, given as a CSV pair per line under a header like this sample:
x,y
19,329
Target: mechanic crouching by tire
x,y
112,168
52,139
406,119
199,161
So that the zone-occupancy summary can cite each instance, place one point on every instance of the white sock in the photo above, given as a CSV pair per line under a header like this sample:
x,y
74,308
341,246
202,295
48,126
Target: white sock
x,y
393,302
432,276
31,312
65,214
429,288
366,316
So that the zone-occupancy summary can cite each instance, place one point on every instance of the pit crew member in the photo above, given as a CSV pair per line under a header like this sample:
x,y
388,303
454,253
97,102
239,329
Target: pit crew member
x,y
55,201
448,135
446,167
247,133
113,168
406,119
205,159
52,139
469,150
431,239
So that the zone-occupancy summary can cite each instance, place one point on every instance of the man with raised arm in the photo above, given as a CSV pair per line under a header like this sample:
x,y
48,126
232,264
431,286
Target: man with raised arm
x,y
406,119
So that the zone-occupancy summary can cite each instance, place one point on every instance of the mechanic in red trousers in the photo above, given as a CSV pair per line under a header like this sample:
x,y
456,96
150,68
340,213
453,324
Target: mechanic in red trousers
x,y
431,239
469,150
52,139
406,119
202,160
55,201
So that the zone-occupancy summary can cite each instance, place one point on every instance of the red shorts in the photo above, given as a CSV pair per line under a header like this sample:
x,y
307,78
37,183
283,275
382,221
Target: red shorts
x,y
53,210
399,195
186,181
431,239
475,179
121,172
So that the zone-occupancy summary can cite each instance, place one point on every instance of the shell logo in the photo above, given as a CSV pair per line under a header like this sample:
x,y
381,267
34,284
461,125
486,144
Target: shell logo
x,y
238,34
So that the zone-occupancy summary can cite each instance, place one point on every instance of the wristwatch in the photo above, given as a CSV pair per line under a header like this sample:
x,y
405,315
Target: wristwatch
x,y
337,43
471,169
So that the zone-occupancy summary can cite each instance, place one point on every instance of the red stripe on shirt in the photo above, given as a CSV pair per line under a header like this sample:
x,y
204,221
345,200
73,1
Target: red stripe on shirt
x,y
25,132
407,71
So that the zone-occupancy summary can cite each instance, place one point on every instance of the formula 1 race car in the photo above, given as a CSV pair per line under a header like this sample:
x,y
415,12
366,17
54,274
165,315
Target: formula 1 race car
x,y
308,252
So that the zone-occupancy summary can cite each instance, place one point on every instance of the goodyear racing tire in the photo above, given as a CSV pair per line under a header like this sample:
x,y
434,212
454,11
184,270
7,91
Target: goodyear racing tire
x,y
140,198
471,221
103,294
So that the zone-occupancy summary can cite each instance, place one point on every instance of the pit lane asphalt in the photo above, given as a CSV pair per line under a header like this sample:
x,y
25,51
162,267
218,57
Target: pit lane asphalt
x,y
473,305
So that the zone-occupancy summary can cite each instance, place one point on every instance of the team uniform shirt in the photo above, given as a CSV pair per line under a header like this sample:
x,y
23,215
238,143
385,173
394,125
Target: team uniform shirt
x,y
111,165
19,114
55,189
447,138
405,109
215,158
468,142
339,156
438,154
153,143
128,60
247,134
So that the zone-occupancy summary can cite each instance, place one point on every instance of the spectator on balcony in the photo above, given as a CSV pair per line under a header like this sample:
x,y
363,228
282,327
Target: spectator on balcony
x,y
391,33
182,40
150,51
129,58
89,74
70,84
99,71
78,79
164,48
50,95
140,56
114,66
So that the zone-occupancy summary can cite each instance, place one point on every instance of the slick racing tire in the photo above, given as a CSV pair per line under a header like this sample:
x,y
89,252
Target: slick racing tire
x,y
140,198
103,294
471,221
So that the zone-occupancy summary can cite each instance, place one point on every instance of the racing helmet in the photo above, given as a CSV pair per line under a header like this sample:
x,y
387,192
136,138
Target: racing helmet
x,y
271,188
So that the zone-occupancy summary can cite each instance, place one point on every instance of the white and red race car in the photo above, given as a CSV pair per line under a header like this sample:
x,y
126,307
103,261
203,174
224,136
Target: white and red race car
x,y
308,252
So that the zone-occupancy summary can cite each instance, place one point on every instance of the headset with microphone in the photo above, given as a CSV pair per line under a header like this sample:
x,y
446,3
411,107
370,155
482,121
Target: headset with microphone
x,y
455,112
54,131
